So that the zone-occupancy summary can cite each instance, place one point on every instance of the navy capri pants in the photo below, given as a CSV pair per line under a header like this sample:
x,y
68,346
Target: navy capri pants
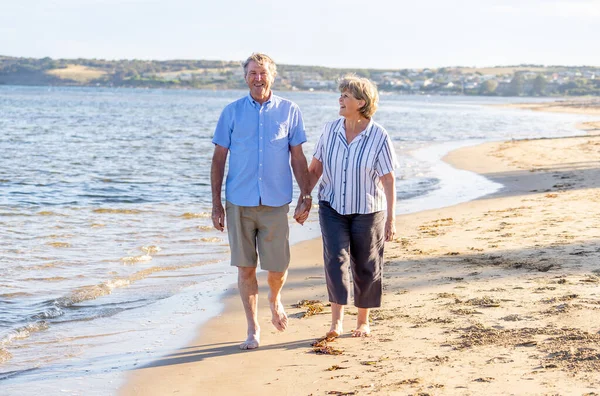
x,y
353,243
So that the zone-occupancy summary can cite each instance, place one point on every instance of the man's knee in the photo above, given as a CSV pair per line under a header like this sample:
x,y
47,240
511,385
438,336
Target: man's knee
x,y
247,272
277,276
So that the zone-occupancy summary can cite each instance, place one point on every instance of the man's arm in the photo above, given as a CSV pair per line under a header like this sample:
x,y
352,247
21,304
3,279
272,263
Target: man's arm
x,y
300,168
315,170
217,172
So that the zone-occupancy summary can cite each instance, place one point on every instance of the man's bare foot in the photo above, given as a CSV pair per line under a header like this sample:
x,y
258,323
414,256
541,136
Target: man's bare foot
x,y
280,318
252,341
362,330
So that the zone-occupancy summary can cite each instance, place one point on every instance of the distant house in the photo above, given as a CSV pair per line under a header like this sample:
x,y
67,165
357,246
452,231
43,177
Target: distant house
x,y
318,84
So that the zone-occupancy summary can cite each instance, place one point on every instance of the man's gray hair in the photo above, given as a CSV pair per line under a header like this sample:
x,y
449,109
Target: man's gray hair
x,y
262,60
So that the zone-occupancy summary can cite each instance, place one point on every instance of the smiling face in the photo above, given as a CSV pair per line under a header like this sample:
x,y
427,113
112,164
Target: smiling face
x,y
349,105
259,80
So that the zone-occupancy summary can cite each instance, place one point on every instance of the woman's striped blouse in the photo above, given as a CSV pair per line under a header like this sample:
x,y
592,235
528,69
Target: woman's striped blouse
x,y
351,172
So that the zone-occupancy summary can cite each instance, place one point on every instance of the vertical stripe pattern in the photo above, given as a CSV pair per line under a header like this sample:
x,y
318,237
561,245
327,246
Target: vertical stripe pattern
x,y
351,172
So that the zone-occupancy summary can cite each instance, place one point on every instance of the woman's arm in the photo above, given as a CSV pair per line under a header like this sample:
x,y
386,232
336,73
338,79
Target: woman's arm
x,y
389,187
315,170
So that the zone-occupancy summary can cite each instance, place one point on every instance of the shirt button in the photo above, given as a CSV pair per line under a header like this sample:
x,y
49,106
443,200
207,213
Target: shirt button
x,y
261,165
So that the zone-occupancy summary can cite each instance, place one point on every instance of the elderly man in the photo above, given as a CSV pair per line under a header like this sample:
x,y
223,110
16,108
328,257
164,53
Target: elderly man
x,y
261,131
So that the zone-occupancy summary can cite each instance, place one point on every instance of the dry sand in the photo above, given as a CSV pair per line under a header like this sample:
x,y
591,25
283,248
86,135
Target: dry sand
x,y
573,106
496,296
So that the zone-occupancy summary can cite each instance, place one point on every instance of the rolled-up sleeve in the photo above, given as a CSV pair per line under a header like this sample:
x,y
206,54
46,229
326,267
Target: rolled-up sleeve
x,y
318,154
224,128
386,158
297,134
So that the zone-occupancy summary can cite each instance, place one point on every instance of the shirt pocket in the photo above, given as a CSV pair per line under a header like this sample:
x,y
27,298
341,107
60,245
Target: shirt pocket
x,y
280,137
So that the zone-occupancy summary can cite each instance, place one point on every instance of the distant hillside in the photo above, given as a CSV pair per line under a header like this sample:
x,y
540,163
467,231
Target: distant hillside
x,y
518,80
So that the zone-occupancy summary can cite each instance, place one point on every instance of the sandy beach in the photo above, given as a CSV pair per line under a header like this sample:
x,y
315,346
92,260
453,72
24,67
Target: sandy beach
x,y
495,296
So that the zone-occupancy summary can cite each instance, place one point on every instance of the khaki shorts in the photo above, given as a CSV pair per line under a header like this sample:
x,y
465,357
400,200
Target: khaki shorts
x,y
259,232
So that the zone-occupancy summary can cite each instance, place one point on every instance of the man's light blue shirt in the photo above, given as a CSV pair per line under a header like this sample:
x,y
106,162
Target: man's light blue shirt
x,y
259,138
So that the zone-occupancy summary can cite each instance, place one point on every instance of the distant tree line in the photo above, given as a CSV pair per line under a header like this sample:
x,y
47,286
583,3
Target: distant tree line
x,y
226,75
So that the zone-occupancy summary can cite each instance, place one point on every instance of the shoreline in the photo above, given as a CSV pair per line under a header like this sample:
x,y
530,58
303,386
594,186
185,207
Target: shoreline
x,y
417,296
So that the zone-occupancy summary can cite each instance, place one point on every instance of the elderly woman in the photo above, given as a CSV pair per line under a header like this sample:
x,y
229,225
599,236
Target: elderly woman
x,y
357,198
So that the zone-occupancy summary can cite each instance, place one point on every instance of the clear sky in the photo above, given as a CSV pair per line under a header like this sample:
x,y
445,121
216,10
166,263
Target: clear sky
x,y
335,33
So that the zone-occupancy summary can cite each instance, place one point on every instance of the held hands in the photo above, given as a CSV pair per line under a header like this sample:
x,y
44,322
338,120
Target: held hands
x,y
218,217
302,209
390,229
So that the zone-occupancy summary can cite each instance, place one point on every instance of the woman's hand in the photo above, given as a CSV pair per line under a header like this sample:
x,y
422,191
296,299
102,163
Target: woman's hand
x,y
302,210
390,228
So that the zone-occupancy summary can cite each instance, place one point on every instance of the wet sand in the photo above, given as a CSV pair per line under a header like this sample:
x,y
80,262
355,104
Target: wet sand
x,y
495,296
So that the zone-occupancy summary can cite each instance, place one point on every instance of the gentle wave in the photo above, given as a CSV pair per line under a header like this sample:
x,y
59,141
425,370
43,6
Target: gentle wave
x,y
23,332
4,355
118,211
15,295
202,215
136,259
59,244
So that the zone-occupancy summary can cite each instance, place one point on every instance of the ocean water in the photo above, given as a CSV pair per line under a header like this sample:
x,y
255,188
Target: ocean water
x,y
108,258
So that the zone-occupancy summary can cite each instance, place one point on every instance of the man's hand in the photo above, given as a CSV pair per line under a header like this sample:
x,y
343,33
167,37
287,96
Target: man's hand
x,y
218,217
302,210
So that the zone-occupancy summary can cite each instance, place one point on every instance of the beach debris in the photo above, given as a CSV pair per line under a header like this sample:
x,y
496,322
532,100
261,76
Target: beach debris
x,y
336,367
313,307
386,314
341,393
484,379
566,297
562,308
527,344
409,381
479,335
321,347
513,318
404,242
446,295
485,302
463,311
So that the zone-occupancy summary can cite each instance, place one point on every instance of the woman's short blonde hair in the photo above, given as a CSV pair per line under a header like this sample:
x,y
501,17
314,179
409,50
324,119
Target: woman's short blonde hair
x,y
362,89
261,60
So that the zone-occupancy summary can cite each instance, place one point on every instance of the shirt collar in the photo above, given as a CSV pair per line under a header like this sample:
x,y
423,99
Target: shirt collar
x,y
256,104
